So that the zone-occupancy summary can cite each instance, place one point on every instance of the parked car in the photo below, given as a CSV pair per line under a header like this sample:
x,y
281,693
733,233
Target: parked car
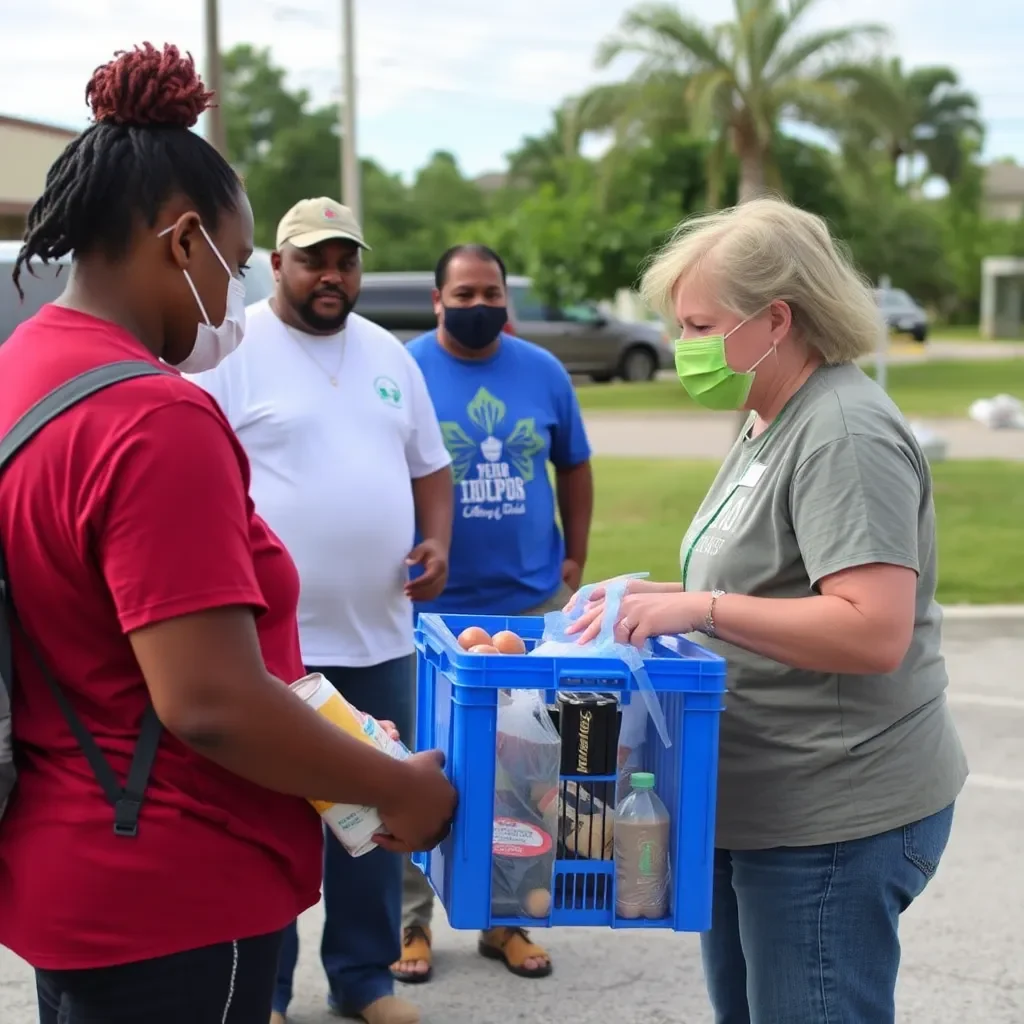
x,y
902,314
48,282
587,341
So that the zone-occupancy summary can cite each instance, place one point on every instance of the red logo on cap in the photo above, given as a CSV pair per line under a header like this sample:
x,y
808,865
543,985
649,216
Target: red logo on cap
x,y
330,214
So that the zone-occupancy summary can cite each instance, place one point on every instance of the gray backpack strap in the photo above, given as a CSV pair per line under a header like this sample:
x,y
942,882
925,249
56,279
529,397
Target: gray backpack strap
x,y
62,398
126,800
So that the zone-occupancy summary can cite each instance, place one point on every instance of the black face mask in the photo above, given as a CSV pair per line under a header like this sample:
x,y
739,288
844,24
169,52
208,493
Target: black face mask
x,y
475,327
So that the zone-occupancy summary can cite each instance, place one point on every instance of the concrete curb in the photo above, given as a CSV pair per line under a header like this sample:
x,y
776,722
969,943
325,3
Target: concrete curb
x,y
988,612
983,621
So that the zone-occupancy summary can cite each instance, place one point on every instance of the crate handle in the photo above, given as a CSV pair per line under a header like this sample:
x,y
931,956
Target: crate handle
x,y
437,658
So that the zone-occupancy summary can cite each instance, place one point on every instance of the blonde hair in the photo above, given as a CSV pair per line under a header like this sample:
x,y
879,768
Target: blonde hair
x,y
767,250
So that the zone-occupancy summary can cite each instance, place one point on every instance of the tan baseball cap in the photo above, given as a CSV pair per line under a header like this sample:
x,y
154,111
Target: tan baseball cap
x,y
311,221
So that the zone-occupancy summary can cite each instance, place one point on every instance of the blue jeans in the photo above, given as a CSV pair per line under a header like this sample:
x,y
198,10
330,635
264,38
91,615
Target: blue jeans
x,y
810,935
362,895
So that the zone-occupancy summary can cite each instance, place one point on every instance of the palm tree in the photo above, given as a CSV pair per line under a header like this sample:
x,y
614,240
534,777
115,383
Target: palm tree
x,y
743,77
540,157
905,115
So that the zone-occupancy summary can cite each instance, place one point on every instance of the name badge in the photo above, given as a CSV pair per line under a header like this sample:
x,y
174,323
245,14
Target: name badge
x,y
753,474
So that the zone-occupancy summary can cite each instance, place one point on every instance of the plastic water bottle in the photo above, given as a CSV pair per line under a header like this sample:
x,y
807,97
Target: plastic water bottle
x,y
642,875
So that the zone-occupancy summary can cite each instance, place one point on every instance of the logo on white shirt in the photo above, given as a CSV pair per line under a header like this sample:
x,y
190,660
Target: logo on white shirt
x,y
388,392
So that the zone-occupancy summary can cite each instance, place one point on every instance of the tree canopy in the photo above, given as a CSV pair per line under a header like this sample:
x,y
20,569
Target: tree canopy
x,y
709,115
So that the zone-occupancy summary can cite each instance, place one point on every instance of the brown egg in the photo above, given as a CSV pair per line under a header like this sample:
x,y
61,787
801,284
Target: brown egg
x,y
508,642
473,636
537,903
483,649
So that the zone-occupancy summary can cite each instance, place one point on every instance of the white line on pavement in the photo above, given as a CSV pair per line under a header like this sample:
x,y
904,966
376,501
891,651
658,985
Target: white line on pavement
x,y
986,700
998,782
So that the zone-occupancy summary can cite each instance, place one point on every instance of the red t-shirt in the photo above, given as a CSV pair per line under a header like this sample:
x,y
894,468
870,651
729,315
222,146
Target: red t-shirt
x,y
130,509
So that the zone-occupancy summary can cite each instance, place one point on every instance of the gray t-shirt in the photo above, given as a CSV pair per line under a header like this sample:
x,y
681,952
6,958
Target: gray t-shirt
x,y
808,758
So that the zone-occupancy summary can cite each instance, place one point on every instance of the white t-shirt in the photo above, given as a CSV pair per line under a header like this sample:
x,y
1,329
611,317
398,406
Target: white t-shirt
x,y
332,472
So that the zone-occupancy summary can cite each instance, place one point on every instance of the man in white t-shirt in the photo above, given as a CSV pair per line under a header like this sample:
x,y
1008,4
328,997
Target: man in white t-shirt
x,y
347,463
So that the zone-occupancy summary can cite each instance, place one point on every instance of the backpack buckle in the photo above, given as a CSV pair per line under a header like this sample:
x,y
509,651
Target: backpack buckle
x,y
126,817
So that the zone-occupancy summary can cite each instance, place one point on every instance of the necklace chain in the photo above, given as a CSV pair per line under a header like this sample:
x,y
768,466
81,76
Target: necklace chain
x,y
331,377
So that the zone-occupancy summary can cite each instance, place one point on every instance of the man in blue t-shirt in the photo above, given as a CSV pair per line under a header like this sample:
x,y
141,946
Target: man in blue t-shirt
x,y
507,409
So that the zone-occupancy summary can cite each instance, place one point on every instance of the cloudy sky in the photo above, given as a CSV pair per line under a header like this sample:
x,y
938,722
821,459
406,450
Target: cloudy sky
x,y
460,75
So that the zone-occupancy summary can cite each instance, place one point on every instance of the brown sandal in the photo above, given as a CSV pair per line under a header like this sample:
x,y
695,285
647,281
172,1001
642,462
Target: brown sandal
x,y
416,946
513,947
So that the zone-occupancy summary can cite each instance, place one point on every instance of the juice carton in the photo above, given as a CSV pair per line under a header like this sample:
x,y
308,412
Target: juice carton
x,y
354,826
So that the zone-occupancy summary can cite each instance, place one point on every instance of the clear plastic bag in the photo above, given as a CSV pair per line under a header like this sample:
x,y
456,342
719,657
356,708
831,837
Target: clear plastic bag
x,y
525,806
557,642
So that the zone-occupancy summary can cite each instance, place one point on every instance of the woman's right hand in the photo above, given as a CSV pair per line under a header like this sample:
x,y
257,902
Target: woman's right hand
x,y
419,816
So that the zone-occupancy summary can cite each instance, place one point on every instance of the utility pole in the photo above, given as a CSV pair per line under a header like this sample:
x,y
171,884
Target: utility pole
x,y
882,351
215,132
350,192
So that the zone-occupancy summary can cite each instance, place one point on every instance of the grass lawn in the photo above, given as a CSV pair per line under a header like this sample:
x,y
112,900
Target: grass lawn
x,y
645,505
920,389
951,332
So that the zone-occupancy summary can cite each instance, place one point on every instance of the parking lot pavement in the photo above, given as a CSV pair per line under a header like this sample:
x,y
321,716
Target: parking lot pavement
x,y
961,963
668,435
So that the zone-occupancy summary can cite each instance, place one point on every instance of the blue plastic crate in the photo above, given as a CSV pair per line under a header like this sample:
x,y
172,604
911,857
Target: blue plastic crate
x,y
457,706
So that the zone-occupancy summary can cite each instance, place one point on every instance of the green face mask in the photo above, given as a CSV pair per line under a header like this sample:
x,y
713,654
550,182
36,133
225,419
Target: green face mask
x,y
707,376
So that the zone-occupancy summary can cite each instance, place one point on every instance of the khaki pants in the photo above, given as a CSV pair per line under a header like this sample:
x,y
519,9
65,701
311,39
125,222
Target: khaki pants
x,y
417,896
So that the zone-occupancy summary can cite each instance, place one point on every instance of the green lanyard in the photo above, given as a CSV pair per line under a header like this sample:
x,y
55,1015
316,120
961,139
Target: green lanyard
x,y
725,501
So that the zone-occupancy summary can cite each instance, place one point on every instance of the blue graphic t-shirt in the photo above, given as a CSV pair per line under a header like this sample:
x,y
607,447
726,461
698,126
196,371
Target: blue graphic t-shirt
x,y
503,420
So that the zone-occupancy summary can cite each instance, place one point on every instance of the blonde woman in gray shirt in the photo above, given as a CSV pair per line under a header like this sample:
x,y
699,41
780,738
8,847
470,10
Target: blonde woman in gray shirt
x,y
811,567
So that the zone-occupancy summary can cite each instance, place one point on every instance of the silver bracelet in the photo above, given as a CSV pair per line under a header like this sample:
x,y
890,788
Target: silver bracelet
x,y
709,621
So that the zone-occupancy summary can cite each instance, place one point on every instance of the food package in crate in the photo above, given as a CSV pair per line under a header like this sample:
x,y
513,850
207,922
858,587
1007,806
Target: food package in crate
x,y
558,643
586,823
525,806
354,826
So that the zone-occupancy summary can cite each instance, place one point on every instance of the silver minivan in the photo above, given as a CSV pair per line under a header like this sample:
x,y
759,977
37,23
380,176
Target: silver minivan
x,y
48,282
586,340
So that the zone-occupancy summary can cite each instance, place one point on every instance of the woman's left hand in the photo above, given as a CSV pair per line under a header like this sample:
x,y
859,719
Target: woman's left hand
x,y
642,616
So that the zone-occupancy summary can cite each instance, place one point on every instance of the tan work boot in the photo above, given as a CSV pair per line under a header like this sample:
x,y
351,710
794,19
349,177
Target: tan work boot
x,y
278,1018
390,1010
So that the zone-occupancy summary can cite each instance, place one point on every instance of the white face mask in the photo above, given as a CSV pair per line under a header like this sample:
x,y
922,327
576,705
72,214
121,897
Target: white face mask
x,y
215,343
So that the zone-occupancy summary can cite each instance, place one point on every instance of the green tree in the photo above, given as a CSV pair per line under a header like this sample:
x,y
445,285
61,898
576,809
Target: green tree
x,y
969,238
300,161
890,234
287,150
905,115
569,241
743,77
539,159
257,106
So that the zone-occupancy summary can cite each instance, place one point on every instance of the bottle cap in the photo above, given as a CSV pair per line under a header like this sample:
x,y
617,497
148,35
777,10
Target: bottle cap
x,y
642,780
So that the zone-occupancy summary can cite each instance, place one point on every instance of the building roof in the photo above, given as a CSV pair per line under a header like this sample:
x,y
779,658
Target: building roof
x,y
1004,181
38,126
491,181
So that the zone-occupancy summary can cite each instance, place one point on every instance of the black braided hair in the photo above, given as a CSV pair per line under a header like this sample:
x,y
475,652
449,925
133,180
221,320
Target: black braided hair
x,y
138,152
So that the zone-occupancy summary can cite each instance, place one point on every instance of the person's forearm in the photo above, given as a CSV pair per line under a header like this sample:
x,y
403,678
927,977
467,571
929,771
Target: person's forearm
x,y
434,498
819,634
273,739
575,488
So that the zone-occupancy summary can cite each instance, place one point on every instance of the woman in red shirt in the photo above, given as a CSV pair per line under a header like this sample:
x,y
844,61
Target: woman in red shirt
x,y
142,575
